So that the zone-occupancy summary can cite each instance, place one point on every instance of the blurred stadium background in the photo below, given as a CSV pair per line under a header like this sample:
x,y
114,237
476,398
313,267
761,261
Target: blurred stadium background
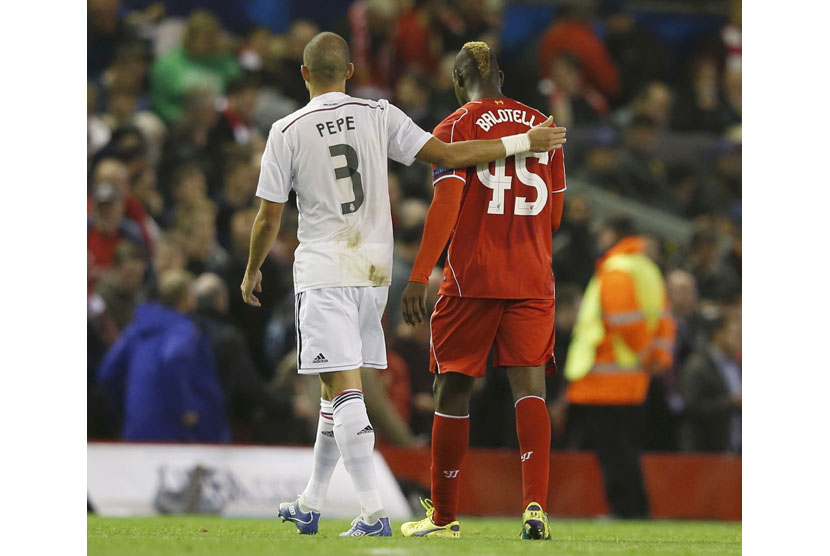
x,y
180,98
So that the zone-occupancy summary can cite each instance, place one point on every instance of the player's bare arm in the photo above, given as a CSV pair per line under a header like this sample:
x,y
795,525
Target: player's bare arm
x,y
263,234
540,138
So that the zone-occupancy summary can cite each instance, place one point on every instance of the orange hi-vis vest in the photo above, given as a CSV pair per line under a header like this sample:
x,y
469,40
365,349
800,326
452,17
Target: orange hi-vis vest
x,y
623,328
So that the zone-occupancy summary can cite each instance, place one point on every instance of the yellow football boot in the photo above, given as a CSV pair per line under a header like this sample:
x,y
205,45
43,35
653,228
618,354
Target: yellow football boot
x,y
427,528
535,523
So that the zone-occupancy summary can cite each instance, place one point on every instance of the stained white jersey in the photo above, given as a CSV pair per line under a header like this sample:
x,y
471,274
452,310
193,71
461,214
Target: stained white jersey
x,y
333,153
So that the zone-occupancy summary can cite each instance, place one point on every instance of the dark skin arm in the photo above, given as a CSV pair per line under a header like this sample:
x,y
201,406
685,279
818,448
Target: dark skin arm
x,y
470,153
263,234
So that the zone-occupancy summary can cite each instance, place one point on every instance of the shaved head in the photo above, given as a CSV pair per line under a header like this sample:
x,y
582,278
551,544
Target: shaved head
x,y
327,58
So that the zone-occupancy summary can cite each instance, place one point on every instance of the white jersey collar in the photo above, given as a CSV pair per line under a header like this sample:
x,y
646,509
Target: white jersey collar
x,y
328,98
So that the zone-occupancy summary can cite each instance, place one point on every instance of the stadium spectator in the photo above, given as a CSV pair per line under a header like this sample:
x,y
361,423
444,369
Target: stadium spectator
x,y
120,286
575,246
240,179
106,228
621,338
97,131
641,174
105,31
114,172
187,188
710,384
143,188
636,51
598,164
571,33
161,374
412,95
169,253
701,105
129,70
418,37
726,180
123,110
655,100
716,281
681,289
202,60
569,96
235,121
470,20
410,216
204,254
695,197
249,403
188,136
255,321
371,28
282,71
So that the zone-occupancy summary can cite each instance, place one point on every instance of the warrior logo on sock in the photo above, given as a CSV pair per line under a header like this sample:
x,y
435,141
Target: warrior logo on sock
x,y
327,433
526,455
451,474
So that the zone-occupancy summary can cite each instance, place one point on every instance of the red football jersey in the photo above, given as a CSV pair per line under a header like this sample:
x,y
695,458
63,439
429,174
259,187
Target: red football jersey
x,y
501,246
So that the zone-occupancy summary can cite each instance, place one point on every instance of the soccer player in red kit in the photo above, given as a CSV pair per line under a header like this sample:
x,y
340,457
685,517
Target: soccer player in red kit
x,y
497,289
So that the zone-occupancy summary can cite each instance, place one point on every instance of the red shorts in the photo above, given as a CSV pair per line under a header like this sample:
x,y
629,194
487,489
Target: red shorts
x,y
464,329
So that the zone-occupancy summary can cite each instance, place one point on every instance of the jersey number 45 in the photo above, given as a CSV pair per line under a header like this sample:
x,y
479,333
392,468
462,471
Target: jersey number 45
x,y
499,182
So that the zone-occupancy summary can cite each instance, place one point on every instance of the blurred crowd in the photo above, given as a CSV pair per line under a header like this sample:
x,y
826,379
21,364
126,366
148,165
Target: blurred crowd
x,y
178,109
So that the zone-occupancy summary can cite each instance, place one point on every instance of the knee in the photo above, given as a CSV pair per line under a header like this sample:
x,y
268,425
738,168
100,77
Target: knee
x,y
527,382
451,398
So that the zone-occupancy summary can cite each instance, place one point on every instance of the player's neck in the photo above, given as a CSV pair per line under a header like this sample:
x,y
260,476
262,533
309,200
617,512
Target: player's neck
x,y
317,90
486,91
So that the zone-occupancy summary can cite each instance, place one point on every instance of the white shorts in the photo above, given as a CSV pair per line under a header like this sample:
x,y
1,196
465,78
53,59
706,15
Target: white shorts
x,y
339,329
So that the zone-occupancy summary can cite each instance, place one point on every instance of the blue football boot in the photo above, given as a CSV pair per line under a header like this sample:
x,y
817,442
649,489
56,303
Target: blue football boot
x,y
306,522
360,528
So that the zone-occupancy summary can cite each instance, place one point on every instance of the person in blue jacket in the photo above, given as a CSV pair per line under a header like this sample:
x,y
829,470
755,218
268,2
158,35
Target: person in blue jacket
x,y
161,373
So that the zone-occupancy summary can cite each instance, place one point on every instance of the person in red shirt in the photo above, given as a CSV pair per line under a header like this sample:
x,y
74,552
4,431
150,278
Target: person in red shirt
x,y
571,33
497,289
106,229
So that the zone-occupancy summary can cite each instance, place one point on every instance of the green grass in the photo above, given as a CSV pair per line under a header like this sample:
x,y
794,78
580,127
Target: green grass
x,y
195,535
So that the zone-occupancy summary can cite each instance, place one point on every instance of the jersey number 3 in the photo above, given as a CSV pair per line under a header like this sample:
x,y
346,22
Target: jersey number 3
x,y
348,171
499,182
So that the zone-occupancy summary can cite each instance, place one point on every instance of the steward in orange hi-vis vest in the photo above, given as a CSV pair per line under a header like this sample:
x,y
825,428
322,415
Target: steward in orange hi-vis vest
x,y
623,335
624,332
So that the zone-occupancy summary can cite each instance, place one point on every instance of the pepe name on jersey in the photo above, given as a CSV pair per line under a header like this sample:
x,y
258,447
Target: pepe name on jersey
x,y
336,126
493,117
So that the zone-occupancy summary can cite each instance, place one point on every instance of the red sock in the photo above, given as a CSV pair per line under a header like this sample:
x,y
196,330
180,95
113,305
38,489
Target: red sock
x,y
533,428
450,436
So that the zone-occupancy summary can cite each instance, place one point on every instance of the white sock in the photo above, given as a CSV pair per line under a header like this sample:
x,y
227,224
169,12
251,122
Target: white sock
x,y
356,440
326,456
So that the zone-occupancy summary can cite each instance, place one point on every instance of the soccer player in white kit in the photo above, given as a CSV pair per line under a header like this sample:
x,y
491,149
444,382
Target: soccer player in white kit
x,y
332,153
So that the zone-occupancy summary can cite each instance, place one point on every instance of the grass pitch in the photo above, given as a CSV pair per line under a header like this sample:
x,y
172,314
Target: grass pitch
x,y
196,535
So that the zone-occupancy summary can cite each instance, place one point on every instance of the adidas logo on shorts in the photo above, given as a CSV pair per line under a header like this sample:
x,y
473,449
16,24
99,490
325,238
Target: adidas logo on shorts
x,y
366,430
320,359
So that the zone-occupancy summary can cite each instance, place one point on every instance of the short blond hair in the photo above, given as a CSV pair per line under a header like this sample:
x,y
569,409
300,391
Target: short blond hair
x,y
481,54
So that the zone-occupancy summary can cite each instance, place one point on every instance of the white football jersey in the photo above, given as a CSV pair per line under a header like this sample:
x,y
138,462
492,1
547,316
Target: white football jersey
x,y
333,153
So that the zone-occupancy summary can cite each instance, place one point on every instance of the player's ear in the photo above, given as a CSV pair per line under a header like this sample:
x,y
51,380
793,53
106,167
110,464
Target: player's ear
x,y
458,78
501,78
349,70
304,71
